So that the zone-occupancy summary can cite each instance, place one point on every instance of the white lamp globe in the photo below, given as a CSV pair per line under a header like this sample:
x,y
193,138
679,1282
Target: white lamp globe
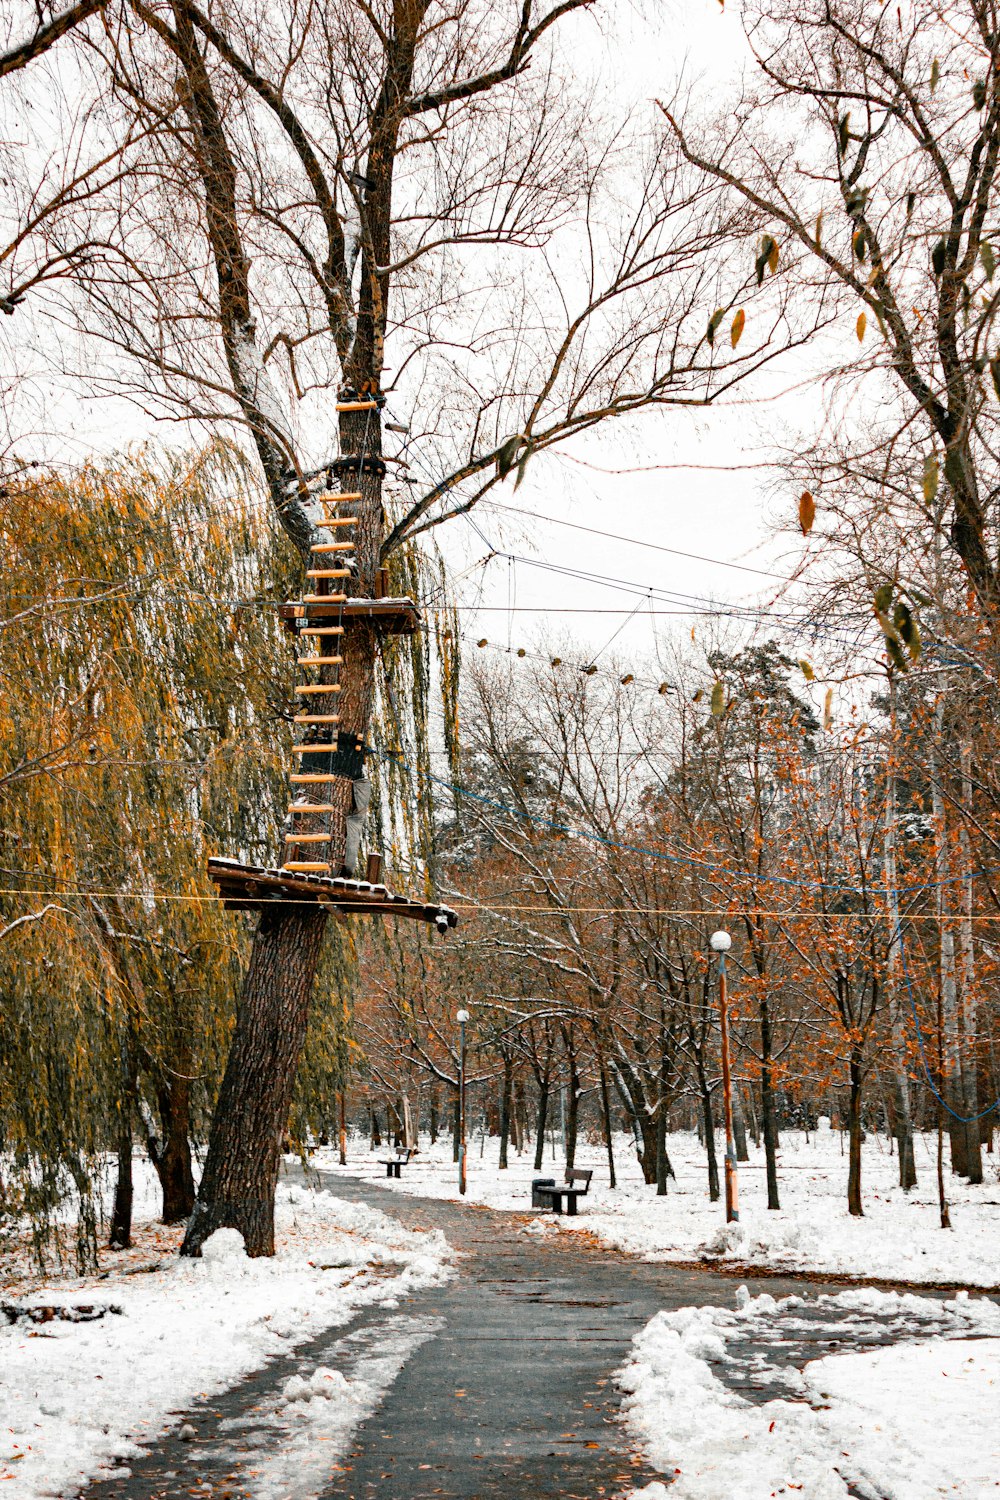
x,y
720,942
462,1017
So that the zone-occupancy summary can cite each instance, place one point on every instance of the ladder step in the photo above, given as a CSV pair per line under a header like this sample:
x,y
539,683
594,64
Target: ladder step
x,y
304,865
328,573
332,547
337,497
321,661
308,688
356,406
324,599
308,838
316,719
324,748
311,807
310,778
332,522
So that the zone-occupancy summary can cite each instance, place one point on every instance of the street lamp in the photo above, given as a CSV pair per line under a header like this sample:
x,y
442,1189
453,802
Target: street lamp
x,y
720,943
462,1017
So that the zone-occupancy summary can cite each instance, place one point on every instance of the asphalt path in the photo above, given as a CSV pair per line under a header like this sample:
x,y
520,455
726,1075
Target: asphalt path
x,y
507,1390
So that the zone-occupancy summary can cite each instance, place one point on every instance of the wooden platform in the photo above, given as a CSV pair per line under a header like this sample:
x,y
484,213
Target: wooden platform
x,y
248,888
395,616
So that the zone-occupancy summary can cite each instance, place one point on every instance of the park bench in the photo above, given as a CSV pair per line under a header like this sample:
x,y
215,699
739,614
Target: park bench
x,y
394,1164
547,1193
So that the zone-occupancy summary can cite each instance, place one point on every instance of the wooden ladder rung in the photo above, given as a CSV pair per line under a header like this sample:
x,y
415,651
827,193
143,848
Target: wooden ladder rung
x,y
324,630
316,719
309,778
328,573
311,807
305,864
321,661
331,547
332,522
324,599
356,405
308,688
308,838
337,497
323,748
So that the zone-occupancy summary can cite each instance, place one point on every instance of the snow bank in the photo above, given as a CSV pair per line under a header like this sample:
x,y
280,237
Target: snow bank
x,y
916,1420
79,1399
898,1239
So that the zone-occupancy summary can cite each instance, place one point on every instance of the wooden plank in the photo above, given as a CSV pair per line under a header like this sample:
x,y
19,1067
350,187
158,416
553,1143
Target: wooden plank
x,y
305,688
321,661
308,838
311,807
324,630
299,864
321,749
316,719
356,406
339,497
331,547
328,573
333,522
324,599
311,778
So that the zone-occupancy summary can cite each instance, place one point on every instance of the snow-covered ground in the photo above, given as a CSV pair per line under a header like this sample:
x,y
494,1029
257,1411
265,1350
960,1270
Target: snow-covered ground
x,y
899,1238
917,1420
78,1399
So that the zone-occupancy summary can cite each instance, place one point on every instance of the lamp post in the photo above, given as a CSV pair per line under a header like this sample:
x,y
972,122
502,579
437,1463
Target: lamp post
x,y
720,943
461,1018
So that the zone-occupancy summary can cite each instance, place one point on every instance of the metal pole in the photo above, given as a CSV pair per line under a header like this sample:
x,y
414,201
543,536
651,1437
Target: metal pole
x,y
461,1105
732,1191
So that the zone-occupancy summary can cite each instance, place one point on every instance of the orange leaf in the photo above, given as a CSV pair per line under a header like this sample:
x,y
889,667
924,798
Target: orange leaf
x,y
739,323
807,512
862,324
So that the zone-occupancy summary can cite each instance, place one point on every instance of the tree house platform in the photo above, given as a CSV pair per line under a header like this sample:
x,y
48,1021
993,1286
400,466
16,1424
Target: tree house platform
x,y
393,616
248,888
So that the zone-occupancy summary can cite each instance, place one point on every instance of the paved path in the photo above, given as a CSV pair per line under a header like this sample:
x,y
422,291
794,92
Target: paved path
x,y
506,1394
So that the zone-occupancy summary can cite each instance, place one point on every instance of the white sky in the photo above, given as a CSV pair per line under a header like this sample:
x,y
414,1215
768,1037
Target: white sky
x,y
705,481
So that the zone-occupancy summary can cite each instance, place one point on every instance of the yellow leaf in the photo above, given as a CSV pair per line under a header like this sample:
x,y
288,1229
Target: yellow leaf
x,y
718,698
862,324
807,670
739,323
807,512
772,259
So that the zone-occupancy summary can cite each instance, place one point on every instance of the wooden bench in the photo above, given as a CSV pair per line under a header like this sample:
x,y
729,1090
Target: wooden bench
x,y
394,1164
551,1194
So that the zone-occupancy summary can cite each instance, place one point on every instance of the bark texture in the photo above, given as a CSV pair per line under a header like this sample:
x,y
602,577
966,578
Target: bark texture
x,y
241,1169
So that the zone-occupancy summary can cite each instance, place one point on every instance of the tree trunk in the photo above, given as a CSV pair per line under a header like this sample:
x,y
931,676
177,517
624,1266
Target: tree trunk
x,y
739,1125
768,1122
434,1116
541,1119
173,1163
968,1092
376,1129
241,1169
854,1134
342,1130
456,1129
120,1237
709,1127
606,1115
505,1097
902,1113
572,1113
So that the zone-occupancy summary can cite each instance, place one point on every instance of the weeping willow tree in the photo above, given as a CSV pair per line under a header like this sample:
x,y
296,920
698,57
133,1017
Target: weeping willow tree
x,y
142,726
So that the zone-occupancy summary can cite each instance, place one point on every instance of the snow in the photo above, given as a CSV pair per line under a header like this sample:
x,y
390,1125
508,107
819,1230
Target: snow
x,y
898,1239
82,1399
916,1420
